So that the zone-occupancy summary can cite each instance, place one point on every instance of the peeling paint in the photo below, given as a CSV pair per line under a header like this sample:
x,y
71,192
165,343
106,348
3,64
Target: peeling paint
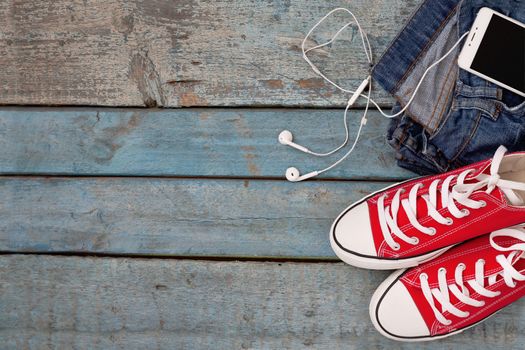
x,y
143,72
273,83
312,83
249,156
190,99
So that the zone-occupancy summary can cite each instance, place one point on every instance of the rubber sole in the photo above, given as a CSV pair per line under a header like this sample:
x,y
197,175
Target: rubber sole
x,y
374,304
374,263
381,264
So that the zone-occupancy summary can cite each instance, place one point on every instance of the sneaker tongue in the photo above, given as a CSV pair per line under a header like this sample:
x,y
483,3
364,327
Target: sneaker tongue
x,y
507,195
513,197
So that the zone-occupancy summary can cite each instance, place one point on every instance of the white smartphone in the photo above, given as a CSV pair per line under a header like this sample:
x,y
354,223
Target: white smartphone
x,y
495,50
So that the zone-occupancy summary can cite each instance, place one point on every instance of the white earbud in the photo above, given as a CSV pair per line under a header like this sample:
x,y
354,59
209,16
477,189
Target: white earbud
x,y
286,138
293,175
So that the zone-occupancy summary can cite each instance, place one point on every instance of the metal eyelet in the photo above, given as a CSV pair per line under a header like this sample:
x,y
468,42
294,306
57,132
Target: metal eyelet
x,y
449,222
433,231
482,303
482,261
483,204
462,266
465,212
442,269
396,247
423,275
415,241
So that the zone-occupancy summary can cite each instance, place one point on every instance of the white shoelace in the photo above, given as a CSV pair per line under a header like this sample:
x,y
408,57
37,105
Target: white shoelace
x,y
460,193
509,274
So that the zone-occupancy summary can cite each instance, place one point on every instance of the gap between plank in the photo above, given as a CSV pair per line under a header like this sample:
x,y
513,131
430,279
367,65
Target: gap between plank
x,y
149,109
181,177
334,260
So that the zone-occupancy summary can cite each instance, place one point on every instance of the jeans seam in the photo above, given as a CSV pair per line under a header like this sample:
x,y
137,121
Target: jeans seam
x,y
402,138
430,160
439,99
425,49
467,141
449,96
492,115
452,109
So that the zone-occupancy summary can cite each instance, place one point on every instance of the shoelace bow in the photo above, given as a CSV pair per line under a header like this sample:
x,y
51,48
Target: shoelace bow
x,y
461,292
460,193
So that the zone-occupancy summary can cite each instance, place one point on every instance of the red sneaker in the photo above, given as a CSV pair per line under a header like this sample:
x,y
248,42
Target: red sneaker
x,y
456,291
415,221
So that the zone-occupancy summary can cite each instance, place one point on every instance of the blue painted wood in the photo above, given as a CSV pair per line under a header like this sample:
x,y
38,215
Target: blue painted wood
x,y
136,53
101,303
131,216
190,143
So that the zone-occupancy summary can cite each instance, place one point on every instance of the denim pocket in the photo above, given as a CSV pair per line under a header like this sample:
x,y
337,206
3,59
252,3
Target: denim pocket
x,y
486,123
484,98
507,130
469,107
457,130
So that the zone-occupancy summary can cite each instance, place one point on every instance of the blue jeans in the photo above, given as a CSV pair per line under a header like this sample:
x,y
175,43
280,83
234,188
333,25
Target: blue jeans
x,y
456,118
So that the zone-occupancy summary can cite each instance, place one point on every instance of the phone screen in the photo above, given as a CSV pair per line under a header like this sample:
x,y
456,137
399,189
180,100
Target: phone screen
x,y
501,54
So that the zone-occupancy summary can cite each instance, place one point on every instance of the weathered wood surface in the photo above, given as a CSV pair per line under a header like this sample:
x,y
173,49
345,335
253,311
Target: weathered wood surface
x,y
234,218
183,53
85,303
174,54
187,142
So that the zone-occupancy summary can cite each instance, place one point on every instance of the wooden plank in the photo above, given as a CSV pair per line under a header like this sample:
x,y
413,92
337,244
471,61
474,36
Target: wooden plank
x,y
186,142
70,302
172,217
184,53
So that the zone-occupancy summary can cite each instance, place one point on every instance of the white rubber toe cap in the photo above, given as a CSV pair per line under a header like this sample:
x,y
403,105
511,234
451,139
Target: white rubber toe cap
x,y
352,231
395,314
